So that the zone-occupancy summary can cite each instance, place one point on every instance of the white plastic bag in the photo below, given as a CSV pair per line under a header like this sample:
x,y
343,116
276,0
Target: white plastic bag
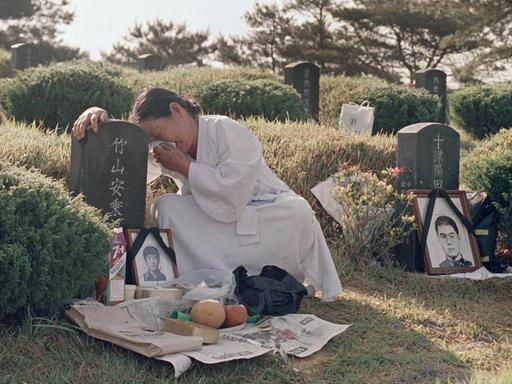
x,y
357,118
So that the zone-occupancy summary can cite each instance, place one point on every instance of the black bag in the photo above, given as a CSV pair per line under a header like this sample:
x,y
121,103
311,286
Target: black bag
x,y
485,219
273,292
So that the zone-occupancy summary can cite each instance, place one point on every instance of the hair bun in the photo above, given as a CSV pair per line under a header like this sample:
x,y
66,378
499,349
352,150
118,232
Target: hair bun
x,y
193,107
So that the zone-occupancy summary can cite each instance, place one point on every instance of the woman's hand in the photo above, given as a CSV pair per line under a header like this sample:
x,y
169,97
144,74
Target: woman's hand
x,y
172,158
89,116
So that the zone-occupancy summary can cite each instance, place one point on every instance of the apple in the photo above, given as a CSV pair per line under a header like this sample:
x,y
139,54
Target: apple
x,y
235,315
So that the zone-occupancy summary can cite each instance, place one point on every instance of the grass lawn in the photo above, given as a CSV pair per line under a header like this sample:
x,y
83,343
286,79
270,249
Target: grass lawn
x,y
406,328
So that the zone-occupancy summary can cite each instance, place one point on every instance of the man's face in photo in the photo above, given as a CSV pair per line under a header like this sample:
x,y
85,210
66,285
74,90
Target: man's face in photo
x,y
152,260
449,239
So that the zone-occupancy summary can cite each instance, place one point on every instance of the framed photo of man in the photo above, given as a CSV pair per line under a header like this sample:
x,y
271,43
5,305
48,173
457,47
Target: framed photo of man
x,y
152,265
450,247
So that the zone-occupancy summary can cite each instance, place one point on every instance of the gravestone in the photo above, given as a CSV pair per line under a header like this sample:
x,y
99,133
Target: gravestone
x,y
149,62
110,167
305,78
24,56
429,153
434,81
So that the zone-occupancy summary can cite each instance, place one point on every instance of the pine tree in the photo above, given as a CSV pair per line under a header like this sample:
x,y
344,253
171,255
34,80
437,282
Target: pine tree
x,y
172,41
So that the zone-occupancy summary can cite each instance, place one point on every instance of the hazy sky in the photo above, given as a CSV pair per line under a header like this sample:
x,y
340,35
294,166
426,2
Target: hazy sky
x,y
100,23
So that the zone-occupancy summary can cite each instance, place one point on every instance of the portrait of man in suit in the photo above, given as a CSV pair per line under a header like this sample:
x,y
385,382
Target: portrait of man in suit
x,y
152,258
449,238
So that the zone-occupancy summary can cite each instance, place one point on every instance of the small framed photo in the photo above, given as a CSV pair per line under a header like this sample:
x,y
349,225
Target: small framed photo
x,y
152,266
450,247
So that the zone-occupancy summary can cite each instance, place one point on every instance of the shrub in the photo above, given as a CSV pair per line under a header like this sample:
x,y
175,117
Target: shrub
x,y
482,110
28,146
397,107
489,168
374,219
189,81
51,246
243,98
56,95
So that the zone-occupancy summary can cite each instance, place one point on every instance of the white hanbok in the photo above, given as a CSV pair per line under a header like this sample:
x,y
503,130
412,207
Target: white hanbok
x,y
233,210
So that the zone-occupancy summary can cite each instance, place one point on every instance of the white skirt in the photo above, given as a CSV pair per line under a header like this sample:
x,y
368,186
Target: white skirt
x,y
289,236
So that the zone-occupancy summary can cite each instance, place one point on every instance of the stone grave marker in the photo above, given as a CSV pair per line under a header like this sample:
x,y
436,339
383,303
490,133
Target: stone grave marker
x,y
434,81
429,154
110,167
305,78
149,62
24,56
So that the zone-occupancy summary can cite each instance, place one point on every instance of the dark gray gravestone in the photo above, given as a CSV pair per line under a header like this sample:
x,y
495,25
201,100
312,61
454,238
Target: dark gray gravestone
x,y
429,153
24,56
149,62
305,78
110,168
434,80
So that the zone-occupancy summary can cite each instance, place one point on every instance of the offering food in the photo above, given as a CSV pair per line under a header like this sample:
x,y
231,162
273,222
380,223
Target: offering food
x,y
208,312
235,315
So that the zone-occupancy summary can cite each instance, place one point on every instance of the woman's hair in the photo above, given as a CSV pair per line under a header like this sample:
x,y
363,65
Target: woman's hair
x,y
154,103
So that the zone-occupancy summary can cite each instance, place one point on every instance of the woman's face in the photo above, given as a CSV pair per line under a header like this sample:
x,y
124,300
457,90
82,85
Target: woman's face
x,y
170,128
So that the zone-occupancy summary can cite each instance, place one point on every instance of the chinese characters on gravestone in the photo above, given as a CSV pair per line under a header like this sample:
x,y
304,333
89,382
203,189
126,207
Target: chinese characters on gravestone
x,y
305,78
429,155
110,168
434,81
117,184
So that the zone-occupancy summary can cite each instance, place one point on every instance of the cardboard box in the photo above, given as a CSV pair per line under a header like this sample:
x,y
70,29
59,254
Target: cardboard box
x,y
111,290
188,328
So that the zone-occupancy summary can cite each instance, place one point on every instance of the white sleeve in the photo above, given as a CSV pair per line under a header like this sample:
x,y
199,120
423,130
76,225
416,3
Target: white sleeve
x,y
223,190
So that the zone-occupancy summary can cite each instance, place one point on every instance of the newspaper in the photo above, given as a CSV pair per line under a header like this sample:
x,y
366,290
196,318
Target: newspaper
x,y
296,334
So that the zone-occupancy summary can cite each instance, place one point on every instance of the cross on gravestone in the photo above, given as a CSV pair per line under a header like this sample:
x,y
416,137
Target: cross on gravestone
x,y
434,81
24,56
429,153
149,62
305,78
110,168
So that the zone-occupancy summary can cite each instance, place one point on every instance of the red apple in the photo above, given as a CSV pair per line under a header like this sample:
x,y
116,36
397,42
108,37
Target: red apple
x,y
235,315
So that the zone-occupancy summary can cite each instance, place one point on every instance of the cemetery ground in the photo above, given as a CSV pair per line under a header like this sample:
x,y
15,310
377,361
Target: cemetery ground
x,y
406,328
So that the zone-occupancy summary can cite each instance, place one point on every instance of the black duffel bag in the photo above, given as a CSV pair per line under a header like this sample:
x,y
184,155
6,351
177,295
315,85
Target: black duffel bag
x,y
273,292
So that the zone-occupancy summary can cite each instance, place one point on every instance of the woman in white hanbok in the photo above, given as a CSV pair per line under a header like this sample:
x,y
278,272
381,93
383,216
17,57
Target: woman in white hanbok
x,y
231,209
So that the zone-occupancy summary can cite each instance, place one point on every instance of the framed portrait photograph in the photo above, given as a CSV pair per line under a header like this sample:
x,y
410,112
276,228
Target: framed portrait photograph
x,y
152,265
450,247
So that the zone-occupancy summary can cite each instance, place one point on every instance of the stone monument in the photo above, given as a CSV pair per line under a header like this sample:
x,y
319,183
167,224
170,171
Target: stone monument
x,y
305,78
434,81
110,167
149,62
24,56
429,155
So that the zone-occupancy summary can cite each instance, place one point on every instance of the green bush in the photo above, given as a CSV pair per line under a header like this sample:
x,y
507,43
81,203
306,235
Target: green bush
x,y
243,98
489,168
51,246
188,81
56,95
482,110
28,146
397,107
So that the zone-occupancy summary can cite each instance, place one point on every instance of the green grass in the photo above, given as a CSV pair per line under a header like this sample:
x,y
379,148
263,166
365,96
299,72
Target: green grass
x,y
406,328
